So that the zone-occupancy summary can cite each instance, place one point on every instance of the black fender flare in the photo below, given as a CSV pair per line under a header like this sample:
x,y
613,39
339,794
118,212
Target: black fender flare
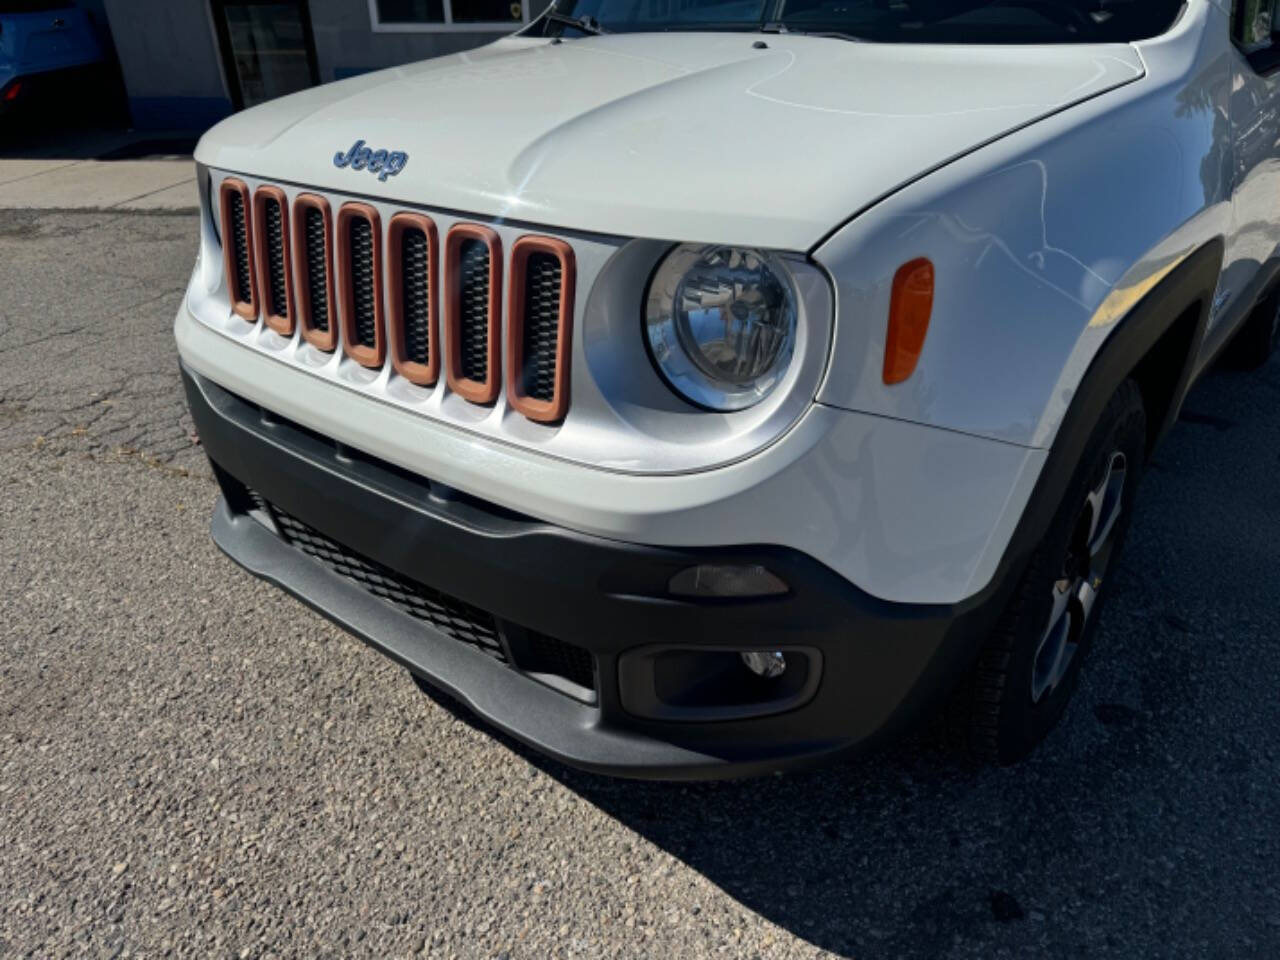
x,y
1188,291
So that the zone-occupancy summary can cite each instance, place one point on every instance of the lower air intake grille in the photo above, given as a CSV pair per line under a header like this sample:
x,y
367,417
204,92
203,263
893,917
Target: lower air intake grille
x,y
474,310
274,226
362,281
541,325
461,621
544,654
524,650
415,294
238,236
317,271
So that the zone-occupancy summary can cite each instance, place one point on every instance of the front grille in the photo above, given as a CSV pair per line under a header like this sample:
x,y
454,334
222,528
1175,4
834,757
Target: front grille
x,y
293,260
361,265
273,224
415,291
317,270
541,325
473,317
461,621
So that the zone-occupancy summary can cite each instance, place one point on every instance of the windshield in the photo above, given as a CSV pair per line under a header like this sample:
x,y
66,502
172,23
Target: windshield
x,y
32,6
901,21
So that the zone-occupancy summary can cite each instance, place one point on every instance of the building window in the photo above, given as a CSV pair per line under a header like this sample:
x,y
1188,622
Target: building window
x,y
1255,24
413,15
266,48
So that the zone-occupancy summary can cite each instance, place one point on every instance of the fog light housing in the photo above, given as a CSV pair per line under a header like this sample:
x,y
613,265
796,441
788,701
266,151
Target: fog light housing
x,y
769,664
726,580
701,683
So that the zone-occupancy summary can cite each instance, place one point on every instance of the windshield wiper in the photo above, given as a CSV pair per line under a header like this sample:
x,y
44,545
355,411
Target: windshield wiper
x,y
776,27
586,24
831,35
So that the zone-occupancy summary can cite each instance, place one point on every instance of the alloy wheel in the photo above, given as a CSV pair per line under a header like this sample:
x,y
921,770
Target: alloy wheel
x,y
1075,592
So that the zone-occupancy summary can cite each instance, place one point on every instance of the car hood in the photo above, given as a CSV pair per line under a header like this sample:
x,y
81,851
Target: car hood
x,y
699,137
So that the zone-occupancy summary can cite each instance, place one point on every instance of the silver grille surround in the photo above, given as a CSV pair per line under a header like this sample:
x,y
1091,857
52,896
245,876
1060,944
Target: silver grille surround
x,y
622,418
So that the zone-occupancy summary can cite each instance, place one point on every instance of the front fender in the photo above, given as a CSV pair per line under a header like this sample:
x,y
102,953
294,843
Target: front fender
x,y
1041,242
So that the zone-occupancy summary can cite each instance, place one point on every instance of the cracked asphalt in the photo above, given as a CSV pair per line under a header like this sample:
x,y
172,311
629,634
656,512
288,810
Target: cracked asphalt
x,y
192,764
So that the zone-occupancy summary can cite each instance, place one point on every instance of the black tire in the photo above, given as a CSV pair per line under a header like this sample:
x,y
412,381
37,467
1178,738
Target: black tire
x,y
997,716
1257,338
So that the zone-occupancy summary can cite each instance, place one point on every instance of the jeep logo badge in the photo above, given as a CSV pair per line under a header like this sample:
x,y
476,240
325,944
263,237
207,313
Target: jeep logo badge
x,y
381,163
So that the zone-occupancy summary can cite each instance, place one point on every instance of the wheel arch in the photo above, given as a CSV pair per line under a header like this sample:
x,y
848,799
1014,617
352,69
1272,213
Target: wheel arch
x,y
1177,314
1157,342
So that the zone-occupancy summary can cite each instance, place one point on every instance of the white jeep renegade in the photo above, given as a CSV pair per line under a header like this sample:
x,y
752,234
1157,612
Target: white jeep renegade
x,y
703,388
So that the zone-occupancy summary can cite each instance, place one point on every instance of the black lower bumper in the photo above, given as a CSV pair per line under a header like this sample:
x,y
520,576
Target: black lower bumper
x,y
870,666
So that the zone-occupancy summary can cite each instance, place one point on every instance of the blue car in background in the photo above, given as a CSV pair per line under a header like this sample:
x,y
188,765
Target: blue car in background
x,y
41,41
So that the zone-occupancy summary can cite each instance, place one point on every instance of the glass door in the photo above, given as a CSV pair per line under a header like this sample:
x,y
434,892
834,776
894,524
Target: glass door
x,y
267,49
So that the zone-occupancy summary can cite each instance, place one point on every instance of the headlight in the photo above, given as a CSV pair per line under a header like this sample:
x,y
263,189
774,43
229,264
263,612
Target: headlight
x,y
721,324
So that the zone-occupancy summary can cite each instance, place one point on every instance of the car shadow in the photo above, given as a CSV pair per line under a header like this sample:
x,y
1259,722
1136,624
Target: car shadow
x,y
1122,833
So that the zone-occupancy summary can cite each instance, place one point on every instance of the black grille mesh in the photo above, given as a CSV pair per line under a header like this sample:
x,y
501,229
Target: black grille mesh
x,y
535,652
474,303
541,324
544,654
239,237
317,270
362,280
461,621
415,295
274,224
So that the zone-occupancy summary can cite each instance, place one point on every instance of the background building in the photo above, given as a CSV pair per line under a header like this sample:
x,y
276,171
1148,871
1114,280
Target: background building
x,y
188,63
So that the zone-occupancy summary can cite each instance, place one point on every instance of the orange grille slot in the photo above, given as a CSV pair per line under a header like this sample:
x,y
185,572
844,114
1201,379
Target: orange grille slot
x,y
359,232
472,310
413,317
271,242
237,248
540,327
312,224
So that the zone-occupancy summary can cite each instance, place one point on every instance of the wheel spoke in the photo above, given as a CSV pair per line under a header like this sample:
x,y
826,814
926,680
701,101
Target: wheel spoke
x,y
1061,600
1056,646
1075,593
1087,596
1105,502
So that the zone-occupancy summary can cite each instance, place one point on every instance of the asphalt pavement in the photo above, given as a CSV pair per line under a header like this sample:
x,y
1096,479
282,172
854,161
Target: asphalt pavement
x,y
193,764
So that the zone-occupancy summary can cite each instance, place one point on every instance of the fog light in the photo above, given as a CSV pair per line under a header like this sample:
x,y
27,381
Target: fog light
x,y
765,663
714,580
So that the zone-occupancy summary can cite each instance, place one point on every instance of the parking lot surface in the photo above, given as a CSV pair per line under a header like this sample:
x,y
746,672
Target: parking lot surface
x,y
192,763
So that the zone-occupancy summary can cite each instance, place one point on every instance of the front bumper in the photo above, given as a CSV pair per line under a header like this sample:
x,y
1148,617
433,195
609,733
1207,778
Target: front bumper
x,y
879,664
908,513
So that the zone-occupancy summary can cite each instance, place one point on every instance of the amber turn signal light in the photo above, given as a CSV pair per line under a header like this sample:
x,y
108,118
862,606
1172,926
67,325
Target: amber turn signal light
x,y
909,312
